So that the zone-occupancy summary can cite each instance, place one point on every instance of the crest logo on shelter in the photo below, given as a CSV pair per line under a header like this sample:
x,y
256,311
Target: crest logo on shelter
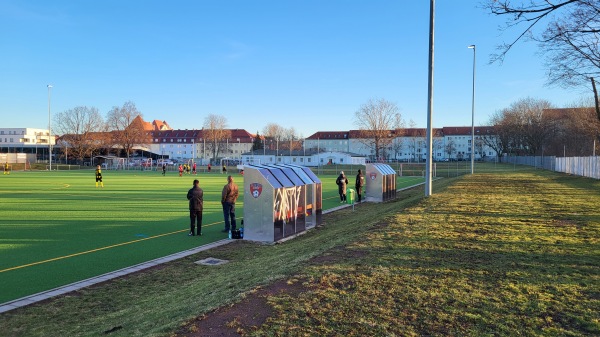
x,y
255,189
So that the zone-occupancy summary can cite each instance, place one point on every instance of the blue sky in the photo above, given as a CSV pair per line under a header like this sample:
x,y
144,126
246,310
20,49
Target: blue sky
x,y
306,64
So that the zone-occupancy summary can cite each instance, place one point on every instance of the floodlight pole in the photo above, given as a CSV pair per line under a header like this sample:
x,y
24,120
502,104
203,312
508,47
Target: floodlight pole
x,y
428,164
473,115
49,132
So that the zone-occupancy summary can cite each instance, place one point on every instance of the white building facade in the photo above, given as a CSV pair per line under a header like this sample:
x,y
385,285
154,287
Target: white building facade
x,y
26,137
408,145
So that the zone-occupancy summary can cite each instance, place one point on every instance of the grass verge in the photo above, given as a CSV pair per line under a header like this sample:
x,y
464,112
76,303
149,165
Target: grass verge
x,y
485,255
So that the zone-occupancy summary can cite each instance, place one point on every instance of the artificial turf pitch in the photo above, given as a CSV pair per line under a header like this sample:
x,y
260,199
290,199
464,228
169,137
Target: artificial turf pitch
x,y
57,228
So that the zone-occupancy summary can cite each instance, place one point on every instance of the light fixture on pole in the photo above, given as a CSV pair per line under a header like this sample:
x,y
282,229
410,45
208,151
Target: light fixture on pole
x,y
473,114
49,132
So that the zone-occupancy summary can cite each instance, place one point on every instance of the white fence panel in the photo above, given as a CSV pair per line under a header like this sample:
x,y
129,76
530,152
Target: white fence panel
x,y
581,166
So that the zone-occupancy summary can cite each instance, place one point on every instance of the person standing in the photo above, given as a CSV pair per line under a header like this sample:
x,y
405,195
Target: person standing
x,y
208,167
194,168
164,168
342,181
228,197
196,200
6,171
360,182
180,170
99,176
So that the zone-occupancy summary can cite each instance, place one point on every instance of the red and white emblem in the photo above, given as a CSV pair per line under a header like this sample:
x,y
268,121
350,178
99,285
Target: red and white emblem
x,y
373,175
255,189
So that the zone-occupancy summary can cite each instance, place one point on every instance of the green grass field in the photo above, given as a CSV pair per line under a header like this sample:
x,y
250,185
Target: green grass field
x,y
506,253
57,227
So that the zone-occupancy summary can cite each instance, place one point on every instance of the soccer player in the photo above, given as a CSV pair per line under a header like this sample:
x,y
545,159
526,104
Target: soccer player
x,y
99,176
6,171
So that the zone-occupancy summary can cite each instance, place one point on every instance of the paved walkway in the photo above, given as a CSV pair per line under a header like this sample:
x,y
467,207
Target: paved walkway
x,y
27,300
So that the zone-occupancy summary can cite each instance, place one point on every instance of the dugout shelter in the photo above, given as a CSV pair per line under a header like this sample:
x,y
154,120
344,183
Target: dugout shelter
x,y
381,182
279,201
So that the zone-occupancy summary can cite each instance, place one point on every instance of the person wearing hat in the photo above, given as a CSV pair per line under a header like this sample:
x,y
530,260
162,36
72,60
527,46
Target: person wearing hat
x,y
342,181
360,182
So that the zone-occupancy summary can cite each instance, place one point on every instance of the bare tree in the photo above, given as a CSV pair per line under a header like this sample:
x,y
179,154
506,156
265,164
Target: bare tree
x,y
450,148
522,128
574,131
80,128
274,133
291,139
216,134
127,127
501,134
375,120
397,145
570,39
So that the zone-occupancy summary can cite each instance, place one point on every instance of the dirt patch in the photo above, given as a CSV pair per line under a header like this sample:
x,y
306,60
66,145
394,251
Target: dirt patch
x,y
337,255
241,317
253,310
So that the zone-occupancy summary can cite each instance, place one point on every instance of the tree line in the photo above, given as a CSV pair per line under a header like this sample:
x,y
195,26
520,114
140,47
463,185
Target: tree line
x,y
535,127
84,132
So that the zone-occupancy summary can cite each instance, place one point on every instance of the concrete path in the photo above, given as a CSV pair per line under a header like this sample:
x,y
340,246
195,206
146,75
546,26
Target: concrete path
x,y
44,295
27,300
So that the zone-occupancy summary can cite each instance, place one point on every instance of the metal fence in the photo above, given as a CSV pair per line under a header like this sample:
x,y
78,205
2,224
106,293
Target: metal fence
x,y
581,166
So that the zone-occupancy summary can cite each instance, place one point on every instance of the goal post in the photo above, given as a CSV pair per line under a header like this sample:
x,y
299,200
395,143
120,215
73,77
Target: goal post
x,y
63,167
415,170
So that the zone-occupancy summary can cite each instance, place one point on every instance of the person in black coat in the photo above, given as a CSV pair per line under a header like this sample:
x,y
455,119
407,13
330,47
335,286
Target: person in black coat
x,y
360,182
342,182
196,199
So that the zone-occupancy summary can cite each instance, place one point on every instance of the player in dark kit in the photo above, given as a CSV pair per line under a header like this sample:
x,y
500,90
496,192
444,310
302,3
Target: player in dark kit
x,y
99,176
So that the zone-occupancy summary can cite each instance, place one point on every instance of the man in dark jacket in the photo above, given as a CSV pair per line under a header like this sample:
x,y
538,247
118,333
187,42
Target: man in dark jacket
x,y
228,197
196,197
360,182
342,181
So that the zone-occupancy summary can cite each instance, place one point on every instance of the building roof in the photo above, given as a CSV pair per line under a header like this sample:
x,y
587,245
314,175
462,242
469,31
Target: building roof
x,y
466,130
161,125
330,135
197,135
